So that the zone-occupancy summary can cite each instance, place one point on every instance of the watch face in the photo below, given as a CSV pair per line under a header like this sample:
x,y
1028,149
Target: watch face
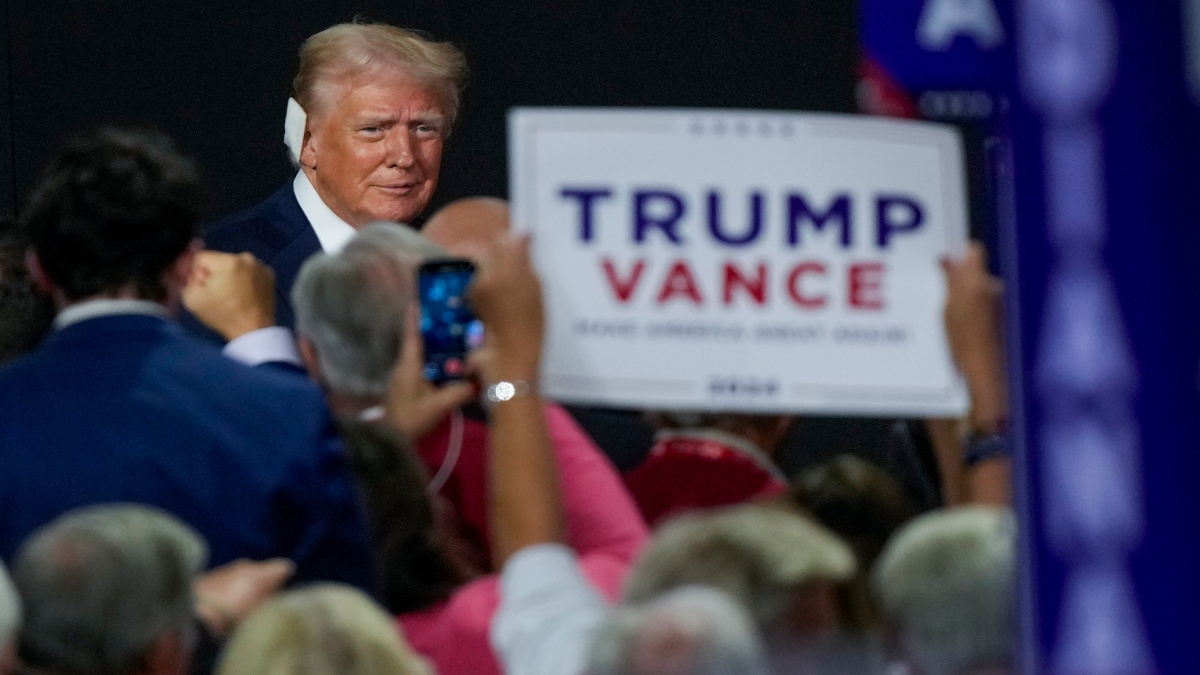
x,y
502,391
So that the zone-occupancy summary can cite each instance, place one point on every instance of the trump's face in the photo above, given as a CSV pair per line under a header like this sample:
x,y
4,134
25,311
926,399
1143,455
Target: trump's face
x,y
375,153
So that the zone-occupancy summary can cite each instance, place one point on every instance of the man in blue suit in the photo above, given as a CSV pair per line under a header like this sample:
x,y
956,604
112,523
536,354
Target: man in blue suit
x,y
372,107
118,404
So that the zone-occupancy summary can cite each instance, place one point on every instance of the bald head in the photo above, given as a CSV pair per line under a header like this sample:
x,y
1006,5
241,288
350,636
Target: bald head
x,y
465,226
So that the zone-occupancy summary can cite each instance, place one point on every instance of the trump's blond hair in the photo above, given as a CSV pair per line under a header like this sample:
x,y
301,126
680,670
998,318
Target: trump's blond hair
x,y
346,52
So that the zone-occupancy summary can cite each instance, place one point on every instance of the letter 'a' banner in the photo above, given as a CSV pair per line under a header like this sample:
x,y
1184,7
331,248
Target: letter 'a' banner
x,y
742,261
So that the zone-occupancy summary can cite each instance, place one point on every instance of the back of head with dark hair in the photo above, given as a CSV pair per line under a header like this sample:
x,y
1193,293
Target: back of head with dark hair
x,y
113,208
415,556
857,500
25,312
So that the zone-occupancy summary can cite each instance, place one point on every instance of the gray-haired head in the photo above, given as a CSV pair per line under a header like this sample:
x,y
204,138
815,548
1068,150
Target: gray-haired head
x,y
946,583
10,615
102,584
693,630
353,306
759,555
394,239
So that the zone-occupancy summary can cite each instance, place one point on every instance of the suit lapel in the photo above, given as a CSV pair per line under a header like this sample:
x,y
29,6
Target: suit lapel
x,y
286,228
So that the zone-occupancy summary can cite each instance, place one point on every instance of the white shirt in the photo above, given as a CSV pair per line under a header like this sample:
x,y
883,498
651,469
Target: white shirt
x,y
548,614
94,309
333,232
276,343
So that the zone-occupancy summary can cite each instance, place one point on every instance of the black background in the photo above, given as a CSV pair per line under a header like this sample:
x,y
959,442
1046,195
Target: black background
x,y
216,74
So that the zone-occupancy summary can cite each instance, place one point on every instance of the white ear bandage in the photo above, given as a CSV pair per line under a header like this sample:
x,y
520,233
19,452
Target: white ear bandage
x,y
293,129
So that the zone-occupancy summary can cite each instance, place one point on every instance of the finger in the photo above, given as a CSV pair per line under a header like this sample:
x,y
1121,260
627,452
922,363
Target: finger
x,y
524,243
278,570
412,349
478,360
976,256
453,395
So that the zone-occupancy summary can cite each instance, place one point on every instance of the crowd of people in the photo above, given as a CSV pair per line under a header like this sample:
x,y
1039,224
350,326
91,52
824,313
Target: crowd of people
x,y
220,452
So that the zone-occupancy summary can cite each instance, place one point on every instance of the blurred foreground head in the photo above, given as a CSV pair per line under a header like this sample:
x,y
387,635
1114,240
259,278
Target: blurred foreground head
x,y
465,227
946,585
320,630
351,308
10,621
108,591
417,557
692,630
787,571
114,213
25,311
857,500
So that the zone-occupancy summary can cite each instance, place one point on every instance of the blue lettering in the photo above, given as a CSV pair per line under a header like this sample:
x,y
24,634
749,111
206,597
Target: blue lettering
x,y
799,211
886,223
714,220
643,220
586,197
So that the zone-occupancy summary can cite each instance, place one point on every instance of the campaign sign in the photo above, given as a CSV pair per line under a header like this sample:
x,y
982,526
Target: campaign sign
x,y
741,260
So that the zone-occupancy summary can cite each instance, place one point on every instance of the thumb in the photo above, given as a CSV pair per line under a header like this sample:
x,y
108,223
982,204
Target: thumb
x,y
412,350
278,570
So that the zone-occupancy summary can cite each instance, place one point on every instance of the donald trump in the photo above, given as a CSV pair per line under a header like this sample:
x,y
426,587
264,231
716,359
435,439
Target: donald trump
x,y
372,106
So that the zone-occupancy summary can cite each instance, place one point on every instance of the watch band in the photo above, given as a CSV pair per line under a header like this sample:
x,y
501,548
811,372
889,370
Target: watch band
x,y
982,447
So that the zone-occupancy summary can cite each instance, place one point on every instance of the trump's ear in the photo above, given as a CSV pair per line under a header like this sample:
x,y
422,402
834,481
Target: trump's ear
x,y
308,149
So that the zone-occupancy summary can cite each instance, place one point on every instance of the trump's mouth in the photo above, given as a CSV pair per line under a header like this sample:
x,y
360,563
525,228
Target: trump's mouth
x,y
399,189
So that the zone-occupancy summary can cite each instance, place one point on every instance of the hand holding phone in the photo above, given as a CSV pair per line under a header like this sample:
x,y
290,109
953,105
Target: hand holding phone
x,y
449,328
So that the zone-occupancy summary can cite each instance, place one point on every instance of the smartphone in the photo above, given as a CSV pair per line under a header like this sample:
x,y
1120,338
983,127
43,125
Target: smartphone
x,y
448,326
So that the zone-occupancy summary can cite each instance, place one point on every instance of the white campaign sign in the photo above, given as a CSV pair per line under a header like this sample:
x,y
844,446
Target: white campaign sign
x,y
737,260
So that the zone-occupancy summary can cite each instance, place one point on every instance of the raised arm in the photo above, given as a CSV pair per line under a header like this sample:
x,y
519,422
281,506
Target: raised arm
x,y
526,507
973,328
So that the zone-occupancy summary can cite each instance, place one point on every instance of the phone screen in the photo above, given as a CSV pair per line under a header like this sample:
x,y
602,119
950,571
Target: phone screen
x,y
448,325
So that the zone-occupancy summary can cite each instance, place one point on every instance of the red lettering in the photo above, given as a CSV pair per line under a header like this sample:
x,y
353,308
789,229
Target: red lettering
x,y
793,285
623,288
866,285
756,287
680,281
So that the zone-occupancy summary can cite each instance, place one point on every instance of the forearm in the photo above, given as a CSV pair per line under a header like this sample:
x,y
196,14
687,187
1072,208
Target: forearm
x,y
945,434
990,482
526,505
989,393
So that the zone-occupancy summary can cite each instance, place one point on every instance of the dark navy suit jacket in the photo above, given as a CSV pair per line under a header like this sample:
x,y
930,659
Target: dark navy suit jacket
x,y
278,233
129,408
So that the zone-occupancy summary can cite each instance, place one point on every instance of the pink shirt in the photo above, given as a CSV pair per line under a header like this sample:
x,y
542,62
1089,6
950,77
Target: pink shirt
x,y
603,527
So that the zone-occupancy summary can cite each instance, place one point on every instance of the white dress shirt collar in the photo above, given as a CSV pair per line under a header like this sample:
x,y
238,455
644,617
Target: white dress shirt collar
x,y
94,309
332,231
